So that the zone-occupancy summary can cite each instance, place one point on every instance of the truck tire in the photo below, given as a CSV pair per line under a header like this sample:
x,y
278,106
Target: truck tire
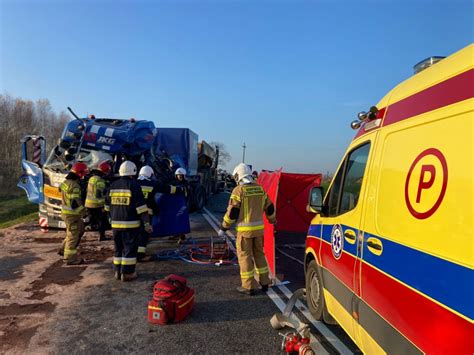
x,y
314,290
199,198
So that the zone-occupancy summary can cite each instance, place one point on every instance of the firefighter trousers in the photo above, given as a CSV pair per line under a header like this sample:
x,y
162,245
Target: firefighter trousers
x,y
98,220
74,233
126,245
142,241
252,261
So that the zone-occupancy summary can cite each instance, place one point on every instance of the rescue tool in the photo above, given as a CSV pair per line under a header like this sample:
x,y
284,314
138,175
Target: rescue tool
x,y
299,340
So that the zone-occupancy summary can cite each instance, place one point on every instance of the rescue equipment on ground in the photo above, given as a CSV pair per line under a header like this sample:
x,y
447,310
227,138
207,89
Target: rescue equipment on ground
x,y
172,300
298,341
216,252
295,343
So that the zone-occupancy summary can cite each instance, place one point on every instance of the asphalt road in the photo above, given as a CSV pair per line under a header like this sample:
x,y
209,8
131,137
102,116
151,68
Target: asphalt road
x,y
46,307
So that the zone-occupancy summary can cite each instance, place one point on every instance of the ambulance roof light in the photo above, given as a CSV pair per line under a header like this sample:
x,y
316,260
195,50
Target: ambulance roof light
x,y
426,63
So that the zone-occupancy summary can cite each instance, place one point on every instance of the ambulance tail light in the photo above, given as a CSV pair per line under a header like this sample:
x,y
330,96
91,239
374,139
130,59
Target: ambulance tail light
x,y
426,63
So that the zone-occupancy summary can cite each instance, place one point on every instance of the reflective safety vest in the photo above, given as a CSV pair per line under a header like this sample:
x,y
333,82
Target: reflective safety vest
x,y
252,201
95,197
147,187
125,202
71,200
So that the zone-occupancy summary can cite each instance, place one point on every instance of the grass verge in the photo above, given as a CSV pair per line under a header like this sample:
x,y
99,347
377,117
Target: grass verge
x,y
14,210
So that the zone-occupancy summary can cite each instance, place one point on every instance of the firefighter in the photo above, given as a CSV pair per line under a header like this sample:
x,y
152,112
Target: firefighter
x,y
182,187
148,185
248,201
95,198
72,211
128,210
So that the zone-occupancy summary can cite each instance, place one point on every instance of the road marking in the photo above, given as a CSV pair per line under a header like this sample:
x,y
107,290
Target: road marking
x,y
320,326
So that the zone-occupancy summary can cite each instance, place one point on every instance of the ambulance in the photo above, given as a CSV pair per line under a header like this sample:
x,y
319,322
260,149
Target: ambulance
x,y
389,253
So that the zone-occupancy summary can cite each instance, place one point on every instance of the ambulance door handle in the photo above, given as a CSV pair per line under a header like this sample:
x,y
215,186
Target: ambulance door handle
x,y
349,235
375,246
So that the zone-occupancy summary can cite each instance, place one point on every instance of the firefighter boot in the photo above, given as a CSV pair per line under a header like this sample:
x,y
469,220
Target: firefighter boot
x,y
129,277
118,275
78,261
264,288
245,291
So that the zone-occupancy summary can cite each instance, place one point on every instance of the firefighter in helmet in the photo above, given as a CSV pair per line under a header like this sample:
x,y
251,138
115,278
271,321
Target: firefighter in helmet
x,y
147,184
182,187
72,211
248,202
128,210
95,198
150,187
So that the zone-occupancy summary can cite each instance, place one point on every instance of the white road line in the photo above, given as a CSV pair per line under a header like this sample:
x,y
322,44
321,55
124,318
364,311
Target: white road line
x,y
321,327
216,228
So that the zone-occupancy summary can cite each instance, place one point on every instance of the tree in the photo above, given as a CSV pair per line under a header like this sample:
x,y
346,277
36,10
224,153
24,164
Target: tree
x,y
224,156
19,117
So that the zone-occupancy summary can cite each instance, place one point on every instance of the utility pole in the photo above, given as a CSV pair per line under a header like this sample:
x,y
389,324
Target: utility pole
x,y
243,156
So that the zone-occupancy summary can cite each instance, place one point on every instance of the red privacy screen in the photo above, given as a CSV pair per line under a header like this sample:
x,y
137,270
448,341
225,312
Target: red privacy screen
x,y
289,192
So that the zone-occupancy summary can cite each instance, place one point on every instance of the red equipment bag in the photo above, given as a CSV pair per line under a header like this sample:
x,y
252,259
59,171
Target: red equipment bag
x,y
172,300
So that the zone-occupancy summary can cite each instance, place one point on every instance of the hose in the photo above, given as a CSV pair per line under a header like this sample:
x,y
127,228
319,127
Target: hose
x,y
200,254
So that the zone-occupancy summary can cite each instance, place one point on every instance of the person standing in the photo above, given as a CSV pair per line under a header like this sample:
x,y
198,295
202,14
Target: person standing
x,y
72,211
127,208
247,204
95,198
181,187
148,186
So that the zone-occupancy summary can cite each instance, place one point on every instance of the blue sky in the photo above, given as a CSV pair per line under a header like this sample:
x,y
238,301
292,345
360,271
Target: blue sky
x,y
285,77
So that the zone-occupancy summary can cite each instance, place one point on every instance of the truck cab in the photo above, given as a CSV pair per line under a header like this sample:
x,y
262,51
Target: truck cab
x,y
389,252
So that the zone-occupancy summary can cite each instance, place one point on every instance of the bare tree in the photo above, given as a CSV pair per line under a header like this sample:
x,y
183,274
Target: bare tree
x,y
224,156
18,118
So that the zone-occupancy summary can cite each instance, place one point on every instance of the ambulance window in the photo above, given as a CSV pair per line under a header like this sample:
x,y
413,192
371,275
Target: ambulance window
x,y
355,167
345,190
333,196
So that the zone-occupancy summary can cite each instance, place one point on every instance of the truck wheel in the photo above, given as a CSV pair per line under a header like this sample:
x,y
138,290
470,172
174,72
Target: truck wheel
x,y
314,291
199,198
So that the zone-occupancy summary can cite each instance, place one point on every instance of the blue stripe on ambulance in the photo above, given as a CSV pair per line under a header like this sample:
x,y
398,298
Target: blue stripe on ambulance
x,y
446,282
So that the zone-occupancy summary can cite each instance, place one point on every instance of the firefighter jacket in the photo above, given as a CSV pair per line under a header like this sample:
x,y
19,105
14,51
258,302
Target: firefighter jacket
x,y
71,196
247,204
150,188
95,197
125,202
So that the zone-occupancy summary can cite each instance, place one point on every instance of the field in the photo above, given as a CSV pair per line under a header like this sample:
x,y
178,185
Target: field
x,y
16,209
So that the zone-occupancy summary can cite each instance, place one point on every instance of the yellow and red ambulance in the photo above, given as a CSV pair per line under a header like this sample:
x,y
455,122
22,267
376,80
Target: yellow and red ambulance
x,y
390,252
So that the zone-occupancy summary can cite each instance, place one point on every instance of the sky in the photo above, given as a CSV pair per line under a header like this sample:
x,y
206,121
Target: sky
x,y
285,77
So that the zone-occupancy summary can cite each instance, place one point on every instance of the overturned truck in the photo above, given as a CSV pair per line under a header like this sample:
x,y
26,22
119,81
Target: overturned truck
x,y
93,140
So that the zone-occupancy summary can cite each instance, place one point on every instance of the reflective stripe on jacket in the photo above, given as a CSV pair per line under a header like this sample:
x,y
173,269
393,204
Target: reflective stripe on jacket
x,y
252,201
71,199
95,197
125,202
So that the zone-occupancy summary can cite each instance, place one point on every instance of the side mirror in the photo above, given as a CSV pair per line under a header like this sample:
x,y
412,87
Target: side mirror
x,y
315,204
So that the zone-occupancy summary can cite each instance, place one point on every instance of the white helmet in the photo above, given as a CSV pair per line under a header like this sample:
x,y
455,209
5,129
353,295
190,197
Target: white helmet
x,y
240,171
146,172
180,171
128,168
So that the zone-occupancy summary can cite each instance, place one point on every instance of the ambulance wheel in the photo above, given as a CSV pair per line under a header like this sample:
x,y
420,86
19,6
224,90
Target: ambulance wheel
x,y
314,290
